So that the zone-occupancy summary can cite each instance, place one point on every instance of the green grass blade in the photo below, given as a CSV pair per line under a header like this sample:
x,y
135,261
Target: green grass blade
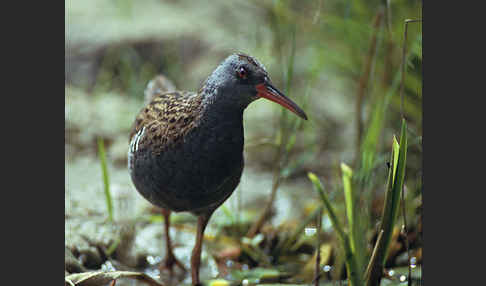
x,y
354,272
106,179
387,222
347,174
399,178
386,228
396,178
332,214
396,151
349,199
356,226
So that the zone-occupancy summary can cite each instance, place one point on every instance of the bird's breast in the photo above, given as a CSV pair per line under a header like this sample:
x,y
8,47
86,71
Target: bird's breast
x,y
201,170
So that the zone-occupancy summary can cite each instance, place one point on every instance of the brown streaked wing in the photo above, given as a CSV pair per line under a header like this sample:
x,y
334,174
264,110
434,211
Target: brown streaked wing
x,y
166,119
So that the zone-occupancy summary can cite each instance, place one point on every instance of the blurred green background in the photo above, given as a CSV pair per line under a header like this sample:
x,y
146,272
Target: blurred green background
x,y
339,60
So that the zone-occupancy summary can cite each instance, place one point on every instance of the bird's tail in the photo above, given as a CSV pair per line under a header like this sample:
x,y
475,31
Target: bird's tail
x,y
159,84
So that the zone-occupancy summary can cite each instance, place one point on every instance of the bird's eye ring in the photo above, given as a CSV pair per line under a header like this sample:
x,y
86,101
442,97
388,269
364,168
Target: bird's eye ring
x,y
242,73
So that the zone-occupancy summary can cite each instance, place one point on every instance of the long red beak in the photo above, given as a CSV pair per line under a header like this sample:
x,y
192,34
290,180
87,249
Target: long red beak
x,y
268,91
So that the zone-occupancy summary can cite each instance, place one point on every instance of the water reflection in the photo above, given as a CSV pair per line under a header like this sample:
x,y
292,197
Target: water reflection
x,y
309,231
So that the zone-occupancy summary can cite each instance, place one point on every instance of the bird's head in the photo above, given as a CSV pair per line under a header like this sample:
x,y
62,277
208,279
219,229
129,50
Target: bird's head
x,y
242,79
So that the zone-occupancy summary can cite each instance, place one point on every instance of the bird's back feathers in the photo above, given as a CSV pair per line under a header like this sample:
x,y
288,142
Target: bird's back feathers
x,y
167,118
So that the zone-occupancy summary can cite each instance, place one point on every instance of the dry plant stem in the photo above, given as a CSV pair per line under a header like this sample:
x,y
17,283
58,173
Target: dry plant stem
x,y
363,81
404,54
268,207
373,255
104,277
374,271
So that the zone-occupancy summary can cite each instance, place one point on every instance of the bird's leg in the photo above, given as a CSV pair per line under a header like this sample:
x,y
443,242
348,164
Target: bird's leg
x,y
202,221
170,258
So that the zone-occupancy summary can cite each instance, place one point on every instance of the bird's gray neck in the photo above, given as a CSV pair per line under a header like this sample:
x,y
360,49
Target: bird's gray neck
x,y
220,112
223,103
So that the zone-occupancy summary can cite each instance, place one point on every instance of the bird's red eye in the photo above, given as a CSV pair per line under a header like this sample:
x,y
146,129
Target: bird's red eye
x,y
242,73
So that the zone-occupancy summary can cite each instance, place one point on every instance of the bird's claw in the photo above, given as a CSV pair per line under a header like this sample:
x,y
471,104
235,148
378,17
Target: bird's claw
x,y
169,262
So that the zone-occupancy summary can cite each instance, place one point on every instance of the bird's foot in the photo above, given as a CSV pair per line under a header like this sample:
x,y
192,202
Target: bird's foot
x,y
169,262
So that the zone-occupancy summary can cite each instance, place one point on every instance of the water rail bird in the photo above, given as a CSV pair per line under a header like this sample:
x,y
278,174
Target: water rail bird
x,y
186,148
